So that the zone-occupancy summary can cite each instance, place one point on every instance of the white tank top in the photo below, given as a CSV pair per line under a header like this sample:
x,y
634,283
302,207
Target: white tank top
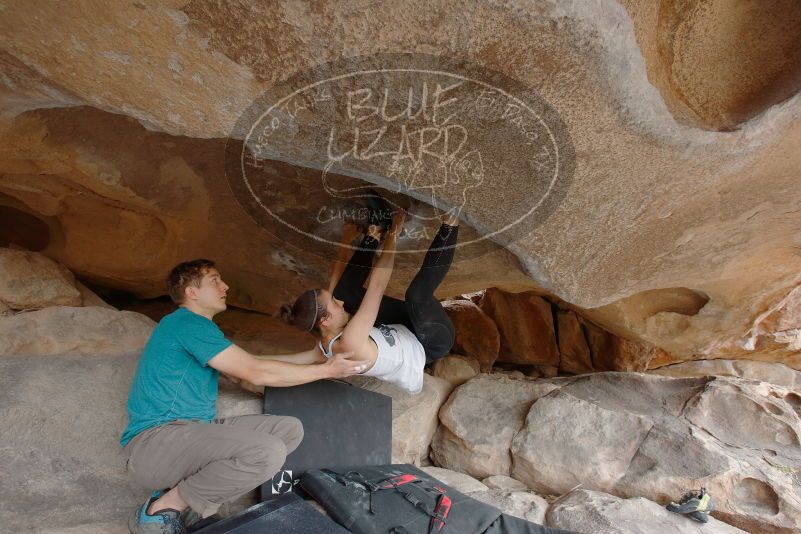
x,y
400,359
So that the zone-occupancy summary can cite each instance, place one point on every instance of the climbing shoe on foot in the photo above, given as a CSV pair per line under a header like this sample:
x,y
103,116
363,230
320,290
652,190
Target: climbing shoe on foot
x,y
701,517
695,504
166,521
379,211
193,521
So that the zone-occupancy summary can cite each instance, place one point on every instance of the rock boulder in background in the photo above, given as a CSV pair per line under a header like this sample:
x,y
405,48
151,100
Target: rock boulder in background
x,y
32,281
634,435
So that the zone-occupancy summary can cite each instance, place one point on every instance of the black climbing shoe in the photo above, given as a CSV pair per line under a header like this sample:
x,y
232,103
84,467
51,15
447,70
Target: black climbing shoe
x,y
193,521
695,504
379,211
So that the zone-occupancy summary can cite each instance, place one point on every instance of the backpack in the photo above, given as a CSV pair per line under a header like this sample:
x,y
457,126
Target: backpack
x,y
402,499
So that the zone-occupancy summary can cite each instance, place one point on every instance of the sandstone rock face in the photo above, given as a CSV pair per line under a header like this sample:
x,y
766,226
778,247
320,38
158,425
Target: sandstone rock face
x,y
601,513
32,281
574,353
476,333
87,330
62,420
503,483
523,504
709,89
233,400
777,331
635,435
516,502
456,369
262,334
112,141
89,298
613,353
582,430
414,417
477,442
525,324
775,373
458,481
58,466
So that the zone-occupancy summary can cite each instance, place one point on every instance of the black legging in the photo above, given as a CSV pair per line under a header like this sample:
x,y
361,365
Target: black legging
x,y
420,312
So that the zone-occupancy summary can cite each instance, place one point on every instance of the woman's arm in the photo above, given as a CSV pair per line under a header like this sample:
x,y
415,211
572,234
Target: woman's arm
x,y
358,328
349,232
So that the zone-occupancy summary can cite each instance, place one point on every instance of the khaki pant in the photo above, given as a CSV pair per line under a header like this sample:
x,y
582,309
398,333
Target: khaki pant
x,y
212,463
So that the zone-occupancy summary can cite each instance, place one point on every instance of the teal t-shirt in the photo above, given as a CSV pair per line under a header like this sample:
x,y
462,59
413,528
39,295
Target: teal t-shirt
x,y
173,379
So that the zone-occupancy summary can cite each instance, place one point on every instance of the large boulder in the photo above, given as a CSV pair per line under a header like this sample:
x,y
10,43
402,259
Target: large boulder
x,y
523,504
574,352
476,333
87,330
477,441
234,400
414,417
560,429
635,435
458,481
90,298
30,281
62,419
506,495
456,369
600,513
775,373
610,352
525,324
503,483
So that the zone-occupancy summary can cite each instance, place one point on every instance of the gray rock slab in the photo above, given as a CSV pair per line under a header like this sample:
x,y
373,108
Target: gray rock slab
x,y
592,512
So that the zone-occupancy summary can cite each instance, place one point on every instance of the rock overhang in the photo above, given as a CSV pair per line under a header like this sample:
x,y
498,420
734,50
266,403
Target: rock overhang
x,y
659,199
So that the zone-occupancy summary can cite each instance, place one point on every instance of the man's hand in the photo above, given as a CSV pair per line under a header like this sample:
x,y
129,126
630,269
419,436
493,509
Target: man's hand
x,y
341,366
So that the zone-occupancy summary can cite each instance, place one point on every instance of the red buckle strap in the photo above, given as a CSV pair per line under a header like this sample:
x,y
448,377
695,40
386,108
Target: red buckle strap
x,y
441,512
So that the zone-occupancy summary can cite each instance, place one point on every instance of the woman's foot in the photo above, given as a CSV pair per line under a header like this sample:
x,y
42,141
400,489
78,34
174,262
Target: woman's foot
x,y
451,218
350,231
379,211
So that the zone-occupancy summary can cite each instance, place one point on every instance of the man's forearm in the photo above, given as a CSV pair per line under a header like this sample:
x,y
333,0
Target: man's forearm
x,y
305,357
282,374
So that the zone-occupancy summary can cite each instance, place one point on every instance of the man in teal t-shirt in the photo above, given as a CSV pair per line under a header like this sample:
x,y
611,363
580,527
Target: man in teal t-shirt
x,y
173,440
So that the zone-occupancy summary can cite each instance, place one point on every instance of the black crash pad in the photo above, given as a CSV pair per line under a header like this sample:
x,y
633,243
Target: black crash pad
x,y
287,514
343,425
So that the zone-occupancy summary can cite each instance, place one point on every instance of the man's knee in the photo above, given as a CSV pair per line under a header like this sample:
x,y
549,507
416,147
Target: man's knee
x,y
266,456
294,433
